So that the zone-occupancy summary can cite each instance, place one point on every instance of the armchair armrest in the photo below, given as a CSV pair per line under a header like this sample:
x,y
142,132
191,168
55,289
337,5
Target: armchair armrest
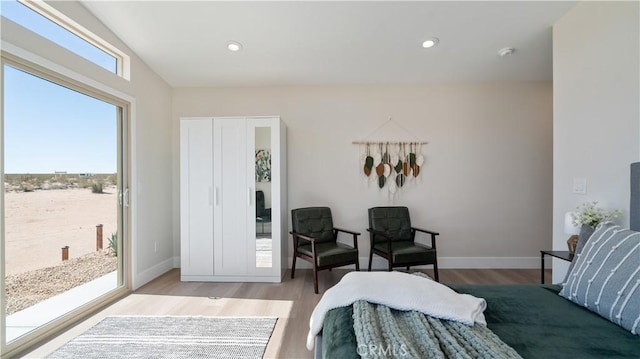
x,y
425,231
379,233
432,233
296,238
355,235
347,231
299,235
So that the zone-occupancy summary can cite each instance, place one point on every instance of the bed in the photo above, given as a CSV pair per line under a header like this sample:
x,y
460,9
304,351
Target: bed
x,y
533,319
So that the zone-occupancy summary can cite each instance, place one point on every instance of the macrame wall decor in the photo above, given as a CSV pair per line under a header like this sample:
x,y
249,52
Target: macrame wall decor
x,y
391,164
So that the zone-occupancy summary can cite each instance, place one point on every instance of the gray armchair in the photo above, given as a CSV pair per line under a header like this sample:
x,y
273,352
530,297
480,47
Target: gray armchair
x,y
393,238
315,240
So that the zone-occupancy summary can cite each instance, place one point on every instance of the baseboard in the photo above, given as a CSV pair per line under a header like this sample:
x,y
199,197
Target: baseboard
x,y
454,262
152,273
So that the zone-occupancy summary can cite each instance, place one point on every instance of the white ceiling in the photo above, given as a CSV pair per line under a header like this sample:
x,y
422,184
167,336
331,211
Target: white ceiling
x,y
319,43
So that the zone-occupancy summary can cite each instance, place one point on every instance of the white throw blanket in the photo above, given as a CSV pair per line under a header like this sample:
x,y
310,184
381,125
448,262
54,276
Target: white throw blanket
x,y
399,291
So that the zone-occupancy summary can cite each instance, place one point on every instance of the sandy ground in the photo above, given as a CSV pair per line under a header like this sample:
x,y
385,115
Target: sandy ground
x,y
38,224
26,289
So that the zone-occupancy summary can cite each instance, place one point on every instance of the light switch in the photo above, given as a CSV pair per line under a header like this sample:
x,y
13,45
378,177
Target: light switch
x,y
580,185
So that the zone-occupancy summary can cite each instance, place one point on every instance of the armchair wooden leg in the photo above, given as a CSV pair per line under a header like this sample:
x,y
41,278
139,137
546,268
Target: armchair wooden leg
x,y
370,259
435,270
407,268
315,278
390,263
357,265
293,266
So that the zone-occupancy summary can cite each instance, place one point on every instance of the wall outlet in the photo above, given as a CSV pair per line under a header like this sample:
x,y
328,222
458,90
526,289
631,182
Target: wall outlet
x,y
580,185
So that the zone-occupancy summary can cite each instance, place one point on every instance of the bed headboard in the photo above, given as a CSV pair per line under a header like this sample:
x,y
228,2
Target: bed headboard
x,y
634,207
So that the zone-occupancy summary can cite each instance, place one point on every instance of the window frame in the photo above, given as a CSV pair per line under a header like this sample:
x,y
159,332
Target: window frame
x,y
123,61
73,81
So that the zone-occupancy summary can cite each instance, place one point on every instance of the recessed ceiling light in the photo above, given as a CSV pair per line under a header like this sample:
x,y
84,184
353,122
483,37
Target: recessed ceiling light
x,y
234,46
430,43
507,51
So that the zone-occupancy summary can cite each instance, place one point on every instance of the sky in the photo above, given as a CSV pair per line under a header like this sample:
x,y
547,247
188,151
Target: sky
x,y
47,127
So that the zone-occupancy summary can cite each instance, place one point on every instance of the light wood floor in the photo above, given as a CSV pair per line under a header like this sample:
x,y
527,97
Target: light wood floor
x,y
292,301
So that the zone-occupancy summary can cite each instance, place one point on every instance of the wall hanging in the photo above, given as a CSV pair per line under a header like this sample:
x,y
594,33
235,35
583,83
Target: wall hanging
x,y
391,164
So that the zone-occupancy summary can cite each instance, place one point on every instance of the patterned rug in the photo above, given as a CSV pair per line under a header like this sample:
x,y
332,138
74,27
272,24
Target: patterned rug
x,y
172,337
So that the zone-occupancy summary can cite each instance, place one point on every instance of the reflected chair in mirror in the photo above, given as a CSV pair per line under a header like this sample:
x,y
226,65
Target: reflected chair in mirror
x,y
315,239
263,215
393,238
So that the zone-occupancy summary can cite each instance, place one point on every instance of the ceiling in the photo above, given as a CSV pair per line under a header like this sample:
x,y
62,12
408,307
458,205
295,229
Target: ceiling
x,y
328,43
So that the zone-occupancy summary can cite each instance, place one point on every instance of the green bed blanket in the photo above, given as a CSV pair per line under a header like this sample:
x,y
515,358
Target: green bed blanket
x,y
532,319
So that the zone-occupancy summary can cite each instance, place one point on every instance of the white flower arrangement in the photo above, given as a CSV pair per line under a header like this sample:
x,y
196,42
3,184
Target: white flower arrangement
x,y
590,214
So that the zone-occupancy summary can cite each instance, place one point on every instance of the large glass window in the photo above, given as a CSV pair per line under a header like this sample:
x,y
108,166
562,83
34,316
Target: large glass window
x,y
63,213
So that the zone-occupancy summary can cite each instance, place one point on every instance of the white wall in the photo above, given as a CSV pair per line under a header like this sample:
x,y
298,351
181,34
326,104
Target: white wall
x,y
486,184
153,134
596,98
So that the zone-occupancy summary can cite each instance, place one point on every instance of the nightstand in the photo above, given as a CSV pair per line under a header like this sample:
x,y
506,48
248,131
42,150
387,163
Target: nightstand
x,y
564,255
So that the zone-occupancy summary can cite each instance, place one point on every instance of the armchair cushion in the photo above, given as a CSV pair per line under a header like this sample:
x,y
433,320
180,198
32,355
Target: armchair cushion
x,y
315,222
394,221
408,252
330,253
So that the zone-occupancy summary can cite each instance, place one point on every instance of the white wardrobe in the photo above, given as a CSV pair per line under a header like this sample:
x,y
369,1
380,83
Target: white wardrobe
x,y
228,166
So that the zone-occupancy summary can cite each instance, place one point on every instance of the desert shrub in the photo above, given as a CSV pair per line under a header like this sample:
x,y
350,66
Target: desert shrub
x,y
35,181
113,244
110,181
97,187
27,183
84,183
58,185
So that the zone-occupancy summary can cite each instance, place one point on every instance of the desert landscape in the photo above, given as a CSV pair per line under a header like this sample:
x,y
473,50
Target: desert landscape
x,y
44,213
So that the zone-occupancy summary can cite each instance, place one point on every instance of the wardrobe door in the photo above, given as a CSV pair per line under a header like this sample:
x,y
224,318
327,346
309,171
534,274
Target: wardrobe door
x,y
231,196
262,178
196,197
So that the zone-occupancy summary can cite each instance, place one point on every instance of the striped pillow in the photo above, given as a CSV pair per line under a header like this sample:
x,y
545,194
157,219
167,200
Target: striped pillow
x,y
606,276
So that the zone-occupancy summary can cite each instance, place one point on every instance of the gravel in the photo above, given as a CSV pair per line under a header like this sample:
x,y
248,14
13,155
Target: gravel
x,y
26,289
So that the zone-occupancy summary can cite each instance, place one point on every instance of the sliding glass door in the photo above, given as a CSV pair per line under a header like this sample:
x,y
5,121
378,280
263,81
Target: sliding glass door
x,y
65,199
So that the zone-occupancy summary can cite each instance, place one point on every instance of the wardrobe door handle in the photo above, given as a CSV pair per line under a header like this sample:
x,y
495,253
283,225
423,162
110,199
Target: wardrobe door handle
x,y
249,196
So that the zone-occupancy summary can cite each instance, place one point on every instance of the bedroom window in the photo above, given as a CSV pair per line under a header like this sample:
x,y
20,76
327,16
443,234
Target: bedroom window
x,y
65,210
51,24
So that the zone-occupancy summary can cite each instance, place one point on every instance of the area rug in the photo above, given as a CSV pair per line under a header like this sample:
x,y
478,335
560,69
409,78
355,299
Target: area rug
x,y
172,337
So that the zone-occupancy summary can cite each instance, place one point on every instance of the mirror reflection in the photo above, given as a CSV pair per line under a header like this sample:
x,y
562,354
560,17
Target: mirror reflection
x,y
263,197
